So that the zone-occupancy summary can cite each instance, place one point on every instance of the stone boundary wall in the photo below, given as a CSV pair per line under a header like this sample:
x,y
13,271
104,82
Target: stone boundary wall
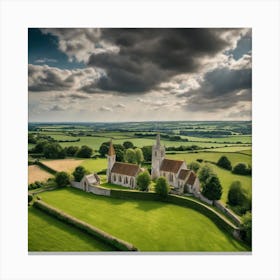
x,y
227,212
48,169
76,185
117,243
99,191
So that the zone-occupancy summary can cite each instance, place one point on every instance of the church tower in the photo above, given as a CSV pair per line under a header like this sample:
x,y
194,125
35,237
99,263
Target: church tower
x,y
111,157
158,154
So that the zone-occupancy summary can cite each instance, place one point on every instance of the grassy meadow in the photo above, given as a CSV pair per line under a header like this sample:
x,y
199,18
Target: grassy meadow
x,y
47,234
149,225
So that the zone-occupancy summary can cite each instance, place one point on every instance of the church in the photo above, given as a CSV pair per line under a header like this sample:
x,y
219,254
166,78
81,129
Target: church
x,y
121,173
182,179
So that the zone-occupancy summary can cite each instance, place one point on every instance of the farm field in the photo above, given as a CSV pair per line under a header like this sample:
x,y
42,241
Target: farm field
x,y
48,234
149,225
67,165
35,173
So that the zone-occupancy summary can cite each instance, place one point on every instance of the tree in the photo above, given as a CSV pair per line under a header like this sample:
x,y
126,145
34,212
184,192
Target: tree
x,y
62,179
128,145
246,228
194,166
162,187
104,148
130,156
71,150
39,147
236,194
147,153
119,150
143,181
84,152
212,188
139,156
224,163
79,173
53,150
241,168
205,173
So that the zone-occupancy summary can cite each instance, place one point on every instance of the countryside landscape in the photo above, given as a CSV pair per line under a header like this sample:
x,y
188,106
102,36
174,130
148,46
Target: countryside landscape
x,y
139,140
163,226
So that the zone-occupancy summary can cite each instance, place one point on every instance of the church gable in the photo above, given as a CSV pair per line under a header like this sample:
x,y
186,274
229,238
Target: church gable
x,y
125,169
183,174
170,165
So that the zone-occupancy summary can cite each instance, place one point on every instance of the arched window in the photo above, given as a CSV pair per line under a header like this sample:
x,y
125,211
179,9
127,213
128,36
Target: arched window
x,y
170,177
120,178
114,178
131,182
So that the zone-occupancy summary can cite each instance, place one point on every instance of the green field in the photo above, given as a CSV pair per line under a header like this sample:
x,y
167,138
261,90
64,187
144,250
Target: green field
x,y
149,225
46,233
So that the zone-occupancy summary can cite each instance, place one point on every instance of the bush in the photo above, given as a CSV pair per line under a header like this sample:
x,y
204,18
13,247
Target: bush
x,y
162,187
205,173
62,179
224,163
246,228
143,181
84,152
212,189
79,173
199,160
30,198
53,151
194,166
236,194
71,150
128,144
242,169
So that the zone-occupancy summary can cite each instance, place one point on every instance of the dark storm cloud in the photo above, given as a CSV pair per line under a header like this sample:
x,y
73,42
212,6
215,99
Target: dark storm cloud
x,y
148,57
221,89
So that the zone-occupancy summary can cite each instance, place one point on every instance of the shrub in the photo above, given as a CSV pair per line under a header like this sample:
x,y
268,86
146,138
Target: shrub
x,y
30,197
246,228
236,194
143,181
162,187
62,179
212,189
242,169
194,166
224,163
199,160
84,152
79,173
205,173
128,144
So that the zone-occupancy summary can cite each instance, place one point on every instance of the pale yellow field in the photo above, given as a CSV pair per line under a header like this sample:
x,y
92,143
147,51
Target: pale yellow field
x,y
67,165
35,173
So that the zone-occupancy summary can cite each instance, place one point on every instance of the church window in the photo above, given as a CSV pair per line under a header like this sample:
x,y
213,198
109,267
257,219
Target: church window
x,y
126,180
120,179
171,177
131,182
114,178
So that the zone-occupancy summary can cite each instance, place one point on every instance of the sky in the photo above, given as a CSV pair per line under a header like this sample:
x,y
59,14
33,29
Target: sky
x,y
141,74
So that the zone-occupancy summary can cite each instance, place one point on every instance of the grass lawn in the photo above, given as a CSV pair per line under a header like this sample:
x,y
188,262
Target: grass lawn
x,y
149,225
95,165
46,233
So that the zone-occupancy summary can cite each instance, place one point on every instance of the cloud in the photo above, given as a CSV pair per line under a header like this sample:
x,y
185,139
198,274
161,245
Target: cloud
x,y
105,109
220,89
138,60
79,43
57,108
46,78
45,60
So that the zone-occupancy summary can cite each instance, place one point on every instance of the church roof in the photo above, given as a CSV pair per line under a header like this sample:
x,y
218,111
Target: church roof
x,y
191,179
92,178
171,165
128,169
111,151
183,174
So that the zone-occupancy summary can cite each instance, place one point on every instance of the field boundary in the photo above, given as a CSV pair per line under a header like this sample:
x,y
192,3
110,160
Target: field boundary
x,y
45,167
117,243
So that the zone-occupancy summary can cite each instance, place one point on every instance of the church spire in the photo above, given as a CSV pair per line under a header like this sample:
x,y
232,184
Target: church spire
x,y
158,139
111,151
